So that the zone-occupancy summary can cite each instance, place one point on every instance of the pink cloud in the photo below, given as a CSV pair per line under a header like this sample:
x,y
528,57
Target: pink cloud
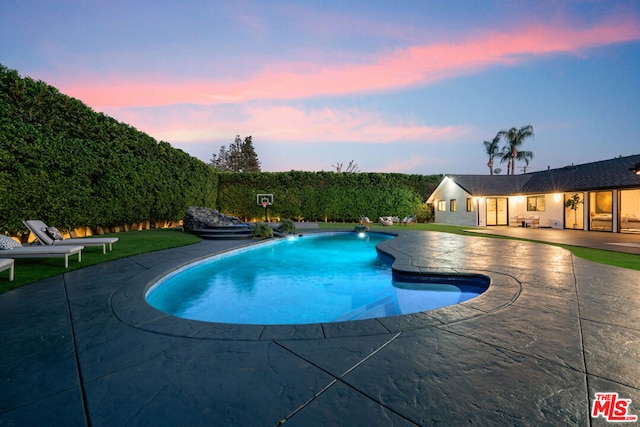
x,y
412,66
286,124
405,164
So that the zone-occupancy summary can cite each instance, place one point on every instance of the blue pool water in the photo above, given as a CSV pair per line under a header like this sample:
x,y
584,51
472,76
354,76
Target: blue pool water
x,y
328,277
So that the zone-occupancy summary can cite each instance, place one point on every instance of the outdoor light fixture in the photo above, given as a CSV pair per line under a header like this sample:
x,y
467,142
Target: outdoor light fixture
x,y
636,169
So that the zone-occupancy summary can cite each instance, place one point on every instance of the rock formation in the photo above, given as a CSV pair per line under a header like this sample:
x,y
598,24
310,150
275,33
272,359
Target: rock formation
x,y
198,218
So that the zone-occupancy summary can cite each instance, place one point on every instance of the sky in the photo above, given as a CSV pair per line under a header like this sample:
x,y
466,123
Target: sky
x,y
395,86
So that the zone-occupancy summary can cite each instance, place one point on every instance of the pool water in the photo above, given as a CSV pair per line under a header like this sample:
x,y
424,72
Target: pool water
x,y
328,277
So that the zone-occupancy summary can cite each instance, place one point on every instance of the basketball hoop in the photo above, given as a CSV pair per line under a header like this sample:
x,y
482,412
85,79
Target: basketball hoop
x,y
265,200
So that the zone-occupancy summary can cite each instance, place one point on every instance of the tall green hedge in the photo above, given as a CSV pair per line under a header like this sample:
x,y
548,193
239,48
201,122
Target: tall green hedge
x,y
72,167
325,196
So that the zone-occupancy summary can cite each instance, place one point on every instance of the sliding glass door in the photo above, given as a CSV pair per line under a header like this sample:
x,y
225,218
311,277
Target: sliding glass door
x,y
497,211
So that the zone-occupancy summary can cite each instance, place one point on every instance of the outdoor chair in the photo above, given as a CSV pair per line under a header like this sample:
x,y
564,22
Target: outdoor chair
x,y
10,249
50,236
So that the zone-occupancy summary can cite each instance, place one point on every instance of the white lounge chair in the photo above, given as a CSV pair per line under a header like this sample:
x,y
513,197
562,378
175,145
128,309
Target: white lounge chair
x,y
386,221
408,220
46,234
7,264
43,252
364,220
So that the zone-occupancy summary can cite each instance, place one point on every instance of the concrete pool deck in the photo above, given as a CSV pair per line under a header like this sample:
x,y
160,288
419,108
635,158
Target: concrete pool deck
x,y
84,348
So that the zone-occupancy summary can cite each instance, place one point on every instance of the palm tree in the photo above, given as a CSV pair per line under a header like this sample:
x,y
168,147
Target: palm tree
x,y
515,138
505,156
492,150
525,156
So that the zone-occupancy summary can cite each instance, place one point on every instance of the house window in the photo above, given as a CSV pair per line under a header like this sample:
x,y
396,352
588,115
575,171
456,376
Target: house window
x,y
453,205
442,205
535,203
469,204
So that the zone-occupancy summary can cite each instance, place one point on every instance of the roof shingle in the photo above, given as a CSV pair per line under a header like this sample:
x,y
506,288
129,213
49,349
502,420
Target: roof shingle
x,y
602,175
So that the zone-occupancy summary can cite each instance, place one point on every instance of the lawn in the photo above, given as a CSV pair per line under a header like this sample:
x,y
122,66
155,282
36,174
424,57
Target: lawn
x,y
128,244
138,242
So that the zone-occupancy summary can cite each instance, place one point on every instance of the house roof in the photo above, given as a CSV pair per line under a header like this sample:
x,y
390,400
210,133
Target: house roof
x,y
602,175
495,185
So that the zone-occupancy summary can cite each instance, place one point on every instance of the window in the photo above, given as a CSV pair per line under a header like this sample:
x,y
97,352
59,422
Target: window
x,y
453,206
535,203
442,205
469,204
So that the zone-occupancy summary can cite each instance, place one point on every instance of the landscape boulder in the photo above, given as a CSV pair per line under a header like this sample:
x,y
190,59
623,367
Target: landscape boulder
x,y
198,218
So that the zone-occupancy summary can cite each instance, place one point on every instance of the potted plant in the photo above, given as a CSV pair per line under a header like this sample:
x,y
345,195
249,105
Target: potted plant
x,y
572,203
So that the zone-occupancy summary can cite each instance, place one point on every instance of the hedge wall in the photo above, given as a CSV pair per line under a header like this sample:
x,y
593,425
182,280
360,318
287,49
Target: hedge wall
x,y
326,196
72,167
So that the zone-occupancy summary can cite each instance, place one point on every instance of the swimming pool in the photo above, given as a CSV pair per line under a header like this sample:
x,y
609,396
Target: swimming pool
x,y
324,277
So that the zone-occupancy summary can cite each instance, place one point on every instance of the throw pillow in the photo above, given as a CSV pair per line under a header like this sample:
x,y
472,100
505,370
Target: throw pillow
x,y
7,242
54,233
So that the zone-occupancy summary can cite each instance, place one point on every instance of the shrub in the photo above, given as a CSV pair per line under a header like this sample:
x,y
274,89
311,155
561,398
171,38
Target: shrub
x,y
287,226
262,230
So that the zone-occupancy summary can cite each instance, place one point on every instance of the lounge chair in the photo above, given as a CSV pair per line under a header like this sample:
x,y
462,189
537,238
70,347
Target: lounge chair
x,y
364,220
408,220
386,221
19,251
50,236
7,264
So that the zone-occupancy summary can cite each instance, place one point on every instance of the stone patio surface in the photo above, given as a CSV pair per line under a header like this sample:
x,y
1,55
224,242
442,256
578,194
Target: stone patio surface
x,y
84,348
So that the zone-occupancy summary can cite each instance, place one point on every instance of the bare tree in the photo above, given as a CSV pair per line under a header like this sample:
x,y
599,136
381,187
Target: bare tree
x,y
352,167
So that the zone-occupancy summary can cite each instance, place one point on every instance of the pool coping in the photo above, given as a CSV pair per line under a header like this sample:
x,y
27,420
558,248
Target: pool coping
x,y
129,305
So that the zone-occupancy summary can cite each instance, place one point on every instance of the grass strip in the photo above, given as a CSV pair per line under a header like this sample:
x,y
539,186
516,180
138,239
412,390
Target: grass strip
x,y
129,243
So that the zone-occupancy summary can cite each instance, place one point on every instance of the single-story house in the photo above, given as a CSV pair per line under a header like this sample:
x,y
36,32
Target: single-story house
x,y
607,196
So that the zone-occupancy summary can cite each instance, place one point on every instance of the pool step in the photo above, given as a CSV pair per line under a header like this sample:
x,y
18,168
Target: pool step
x,y
379,308
224,232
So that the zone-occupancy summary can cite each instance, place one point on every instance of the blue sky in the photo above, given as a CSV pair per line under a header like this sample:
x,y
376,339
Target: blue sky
x,y
396,86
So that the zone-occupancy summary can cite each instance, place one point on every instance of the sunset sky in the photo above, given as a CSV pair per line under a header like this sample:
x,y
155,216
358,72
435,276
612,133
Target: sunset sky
x,y
397,86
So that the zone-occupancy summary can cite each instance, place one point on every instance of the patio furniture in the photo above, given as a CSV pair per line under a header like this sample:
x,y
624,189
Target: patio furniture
x,y
50,236
408,220
516,221
532,221
364,220
43,252
7,264
386,221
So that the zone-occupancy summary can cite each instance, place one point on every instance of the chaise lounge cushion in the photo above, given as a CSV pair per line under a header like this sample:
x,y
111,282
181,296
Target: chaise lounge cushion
x,y
7,242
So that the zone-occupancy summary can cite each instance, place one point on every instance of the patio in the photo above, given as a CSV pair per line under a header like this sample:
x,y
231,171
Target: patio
x,y
85,349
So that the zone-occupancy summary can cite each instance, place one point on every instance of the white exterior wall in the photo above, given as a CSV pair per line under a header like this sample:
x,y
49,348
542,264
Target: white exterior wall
x,y
555,215
552,216
448,190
